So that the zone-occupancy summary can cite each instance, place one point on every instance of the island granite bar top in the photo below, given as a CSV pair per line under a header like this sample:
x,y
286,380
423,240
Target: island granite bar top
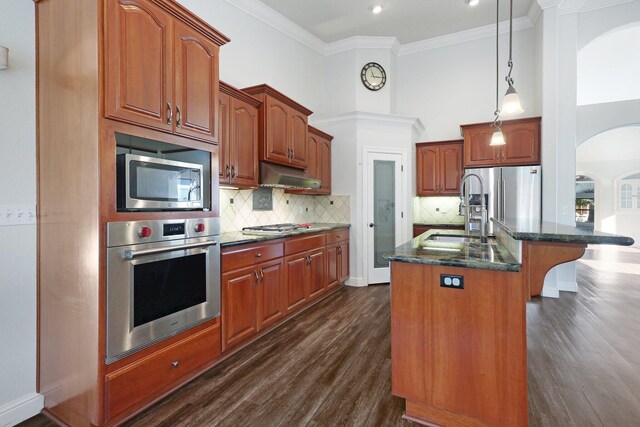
x,y
421,250
561,233
234,238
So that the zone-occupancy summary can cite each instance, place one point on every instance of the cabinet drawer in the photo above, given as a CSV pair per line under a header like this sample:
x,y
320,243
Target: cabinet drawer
x,y
337,236
292,246
150,376
247,256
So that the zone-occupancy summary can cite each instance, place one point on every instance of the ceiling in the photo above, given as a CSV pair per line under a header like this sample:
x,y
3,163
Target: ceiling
x,y
408,20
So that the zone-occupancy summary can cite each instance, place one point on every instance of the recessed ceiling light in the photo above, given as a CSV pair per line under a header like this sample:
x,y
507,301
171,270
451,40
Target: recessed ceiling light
x,y
376,9
472,2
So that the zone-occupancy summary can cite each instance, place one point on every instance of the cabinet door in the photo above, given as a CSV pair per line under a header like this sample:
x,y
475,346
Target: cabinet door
x,y
244,137
239,306
223,138
298,142
344,262
324,164
271,302
317,284
332,277
523,144
427,171
313,143
138,63
196,84
276,144
477,151
296,275
450,169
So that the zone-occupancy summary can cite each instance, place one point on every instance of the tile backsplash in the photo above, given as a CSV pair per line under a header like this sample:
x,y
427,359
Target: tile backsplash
x,y
437,210
293,208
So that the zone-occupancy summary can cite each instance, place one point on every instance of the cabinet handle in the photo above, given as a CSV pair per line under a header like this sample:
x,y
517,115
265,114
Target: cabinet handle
x,y
227,174
175,363
169,113
233,172
339,249
178,117
308,260
258,255
292,153
255,274
261,275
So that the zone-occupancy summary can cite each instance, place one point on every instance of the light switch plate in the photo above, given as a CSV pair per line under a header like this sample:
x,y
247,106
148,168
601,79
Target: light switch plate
x,y
17,215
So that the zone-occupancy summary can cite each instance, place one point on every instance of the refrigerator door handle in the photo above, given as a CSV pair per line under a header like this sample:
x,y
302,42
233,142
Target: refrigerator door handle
x,y
498,200
502,191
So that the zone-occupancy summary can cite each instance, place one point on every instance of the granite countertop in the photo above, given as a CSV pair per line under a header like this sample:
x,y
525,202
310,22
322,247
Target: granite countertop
x,y
234,238
553,232
434,224
420,250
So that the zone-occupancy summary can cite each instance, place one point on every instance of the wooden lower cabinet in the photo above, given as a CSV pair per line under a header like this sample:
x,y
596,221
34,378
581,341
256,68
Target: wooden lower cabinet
x,y
239,305
317,264
337,258
130,386
271,306
295,269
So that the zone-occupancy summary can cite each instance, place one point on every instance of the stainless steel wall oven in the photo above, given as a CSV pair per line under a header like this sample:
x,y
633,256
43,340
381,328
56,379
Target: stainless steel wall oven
x,y
162,278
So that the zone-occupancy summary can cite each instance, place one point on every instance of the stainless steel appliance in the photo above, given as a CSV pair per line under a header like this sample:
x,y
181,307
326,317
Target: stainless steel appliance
x,y
279,176
511,192
149,183
274,228
162,278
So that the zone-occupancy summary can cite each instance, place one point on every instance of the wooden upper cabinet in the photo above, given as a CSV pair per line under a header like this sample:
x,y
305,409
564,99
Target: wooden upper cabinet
x,y
319,156
324,164
196,84
161,72
238,137
138,77
283,128
438,168
522,146
299,143
277,134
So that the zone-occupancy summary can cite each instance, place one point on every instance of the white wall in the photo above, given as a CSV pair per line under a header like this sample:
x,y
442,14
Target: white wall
x,y
259,53
18,243
454,85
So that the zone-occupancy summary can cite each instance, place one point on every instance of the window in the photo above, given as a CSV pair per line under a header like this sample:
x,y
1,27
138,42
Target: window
x,y
585,201
628,192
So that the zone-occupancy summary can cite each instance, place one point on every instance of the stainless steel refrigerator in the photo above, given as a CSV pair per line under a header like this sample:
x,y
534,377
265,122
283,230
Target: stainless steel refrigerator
x,y
511,192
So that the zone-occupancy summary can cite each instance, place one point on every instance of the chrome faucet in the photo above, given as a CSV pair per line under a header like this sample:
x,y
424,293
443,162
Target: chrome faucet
x,y
483,207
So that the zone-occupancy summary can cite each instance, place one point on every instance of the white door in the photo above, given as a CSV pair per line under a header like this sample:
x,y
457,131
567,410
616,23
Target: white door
x,y
384,188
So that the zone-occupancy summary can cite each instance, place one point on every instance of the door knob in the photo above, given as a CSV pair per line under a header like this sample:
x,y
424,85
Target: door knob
x,y
371,225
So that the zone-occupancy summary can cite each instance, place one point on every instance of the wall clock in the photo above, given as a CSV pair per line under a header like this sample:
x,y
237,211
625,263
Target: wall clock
x,y
373,76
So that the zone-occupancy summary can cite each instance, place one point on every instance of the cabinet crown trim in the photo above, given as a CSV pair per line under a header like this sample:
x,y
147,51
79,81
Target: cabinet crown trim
x,y
268,90
320,133
433,143
504,122
192,20
239,94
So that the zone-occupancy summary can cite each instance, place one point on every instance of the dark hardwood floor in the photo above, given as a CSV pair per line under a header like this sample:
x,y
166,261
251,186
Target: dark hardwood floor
x,y
331,365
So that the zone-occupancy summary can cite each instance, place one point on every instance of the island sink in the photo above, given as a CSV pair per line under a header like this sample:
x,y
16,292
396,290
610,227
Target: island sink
x,y
452,238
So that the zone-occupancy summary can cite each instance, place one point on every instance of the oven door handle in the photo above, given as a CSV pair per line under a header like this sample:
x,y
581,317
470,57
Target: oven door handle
x,y
144,252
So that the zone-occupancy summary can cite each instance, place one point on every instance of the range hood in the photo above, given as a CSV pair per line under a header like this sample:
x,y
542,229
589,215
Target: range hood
x,y
285,177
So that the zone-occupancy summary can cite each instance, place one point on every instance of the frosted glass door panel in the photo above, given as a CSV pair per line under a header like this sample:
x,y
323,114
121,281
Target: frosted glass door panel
x,y
384,232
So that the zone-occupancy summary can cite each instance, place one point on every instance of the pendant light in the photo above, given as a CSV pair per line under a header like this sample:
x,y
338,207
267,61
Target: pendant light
x,y
497,138
511,103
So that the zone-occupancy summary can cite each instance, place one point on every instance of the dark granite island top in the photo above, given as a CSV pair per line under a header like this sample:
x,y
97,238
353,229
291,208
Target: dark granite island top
x,y
560,233
421,250
234,238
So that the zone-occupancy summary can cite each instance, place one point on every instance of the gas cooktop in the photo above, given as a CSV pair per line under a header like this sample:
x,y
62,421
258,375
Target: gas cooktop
x,y
275,228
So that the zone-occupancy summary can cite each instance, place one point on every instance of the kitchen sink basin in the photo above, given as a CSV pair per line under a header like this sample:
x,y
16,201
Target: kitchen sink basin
x,y
453,238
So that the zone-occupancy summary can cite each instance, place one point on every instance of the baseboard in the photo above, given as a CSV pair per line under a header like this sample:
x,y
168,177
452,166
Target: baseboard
x,y
21,409
357,282
567,286
550,292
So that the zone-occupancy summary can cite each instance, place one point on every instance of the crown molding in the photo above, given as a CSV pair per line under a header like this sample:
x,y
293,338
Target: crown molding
x,y
365,117
580,6
264,13
363,42
546,4
534,13
522,23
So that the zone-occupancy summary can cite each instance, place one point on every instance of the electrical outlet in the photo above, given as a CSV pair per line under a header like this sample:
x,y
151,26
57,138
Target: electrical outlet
x,y
451,281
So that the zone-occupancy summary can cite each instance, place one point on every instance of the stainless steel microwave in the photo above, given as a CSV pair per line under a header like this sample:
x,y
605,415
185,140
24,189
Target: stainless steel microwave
x,y
149,183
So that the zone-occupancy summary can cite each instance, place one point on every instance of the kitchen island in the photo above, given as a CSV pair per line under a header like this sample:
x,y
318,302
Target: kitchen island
x,y
458,319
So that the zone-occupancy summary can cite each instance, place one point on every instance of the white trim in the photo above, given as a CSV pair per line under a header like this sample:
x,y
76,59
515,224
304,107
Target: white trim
x,y
269,16
534,13
522,23
356,282
578,6
363,42
367,117
21,409
567,286
546,4
550,292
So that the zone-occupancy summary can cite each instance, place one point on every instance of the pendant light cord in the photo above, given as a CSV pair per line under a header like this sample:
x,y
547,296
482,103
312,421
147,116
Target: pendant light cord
x,y
510,63
497,122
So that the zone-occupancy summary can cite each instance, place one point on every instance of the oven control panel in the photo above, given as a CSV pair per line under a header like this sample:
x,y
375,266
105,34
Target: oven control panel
x,y
134,232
